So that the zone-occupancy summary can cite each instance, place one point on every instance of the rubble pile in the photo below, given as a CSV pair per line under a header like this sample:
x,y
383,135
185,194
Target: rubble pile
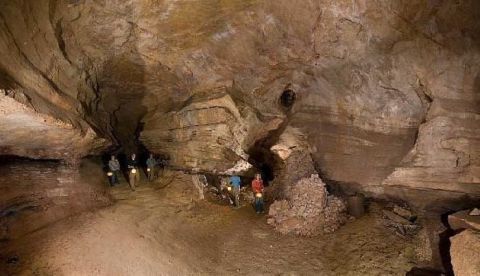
x,y
400,220
308,209
334,214
297,166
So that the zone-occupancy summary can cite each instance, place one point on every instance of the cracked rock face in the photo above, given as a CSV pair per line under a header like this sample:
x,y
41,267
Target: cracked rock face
x,y
387,92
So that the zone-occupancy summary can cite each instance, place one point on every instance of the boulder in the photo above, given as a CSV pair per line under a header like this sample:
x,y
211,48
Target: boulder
x,y
465,253
401,221
462,220
475,212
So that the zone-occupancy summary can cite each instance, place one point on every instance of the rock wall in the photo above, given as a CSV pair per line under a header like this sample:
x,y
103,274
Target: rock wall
x,y
30,134
387,92
34,194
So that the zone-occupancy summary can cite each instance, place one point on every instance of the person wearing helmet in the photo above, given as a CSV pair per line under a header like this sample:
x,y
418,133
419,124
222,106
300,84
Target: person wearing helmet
x,y
151,165
133,172
257,188
235,182
114,168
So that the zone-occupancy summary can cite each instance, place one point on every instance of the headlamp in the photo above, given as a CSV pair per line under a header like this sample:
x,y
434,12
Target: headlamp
x,y
258,195
134,171
109,173
148,169
229,188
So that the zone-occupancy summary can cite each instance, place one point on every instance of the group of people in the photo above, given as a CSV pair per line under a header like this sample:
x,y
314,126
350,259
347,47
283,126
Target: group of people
x,y
133,169
151,168
257,189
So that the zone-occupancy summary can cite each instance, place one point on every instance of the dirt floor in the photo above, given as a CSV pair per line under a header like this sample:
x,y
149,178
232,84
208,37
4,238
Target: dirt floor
x,y
161,230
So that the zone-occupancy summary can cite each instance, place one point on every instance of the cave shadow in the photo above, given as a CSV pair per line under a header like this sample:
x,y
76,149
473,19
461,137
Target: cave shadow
x,y
8,159
445,244
263,161
123,93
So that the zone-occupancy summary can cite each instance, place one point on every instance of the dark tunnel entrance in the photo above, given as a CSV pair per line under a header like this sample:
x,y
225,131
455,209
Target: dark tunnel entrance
x,y
287,99
263,160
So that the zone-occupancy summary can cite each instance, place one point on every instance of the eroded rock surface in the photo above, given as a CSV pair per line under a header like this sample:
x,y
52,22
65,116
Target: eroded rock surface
x,y
387,92
27,133
294,162
211,133
34,194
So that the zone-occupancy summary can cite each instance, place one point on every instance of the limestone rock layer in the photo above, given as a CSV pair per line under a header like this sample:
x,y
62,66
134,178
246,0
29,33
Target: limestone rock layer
x,y
386,92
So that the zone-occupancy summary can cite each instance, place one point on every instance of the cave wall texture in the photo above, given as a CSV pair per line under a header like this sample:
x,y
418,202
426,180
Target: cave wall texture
x,y
387,92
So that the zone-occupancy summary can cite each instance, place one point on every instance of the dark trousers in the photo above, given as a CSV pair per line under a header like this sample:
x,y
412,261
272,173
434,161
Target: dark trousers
x,y
258,204
114,178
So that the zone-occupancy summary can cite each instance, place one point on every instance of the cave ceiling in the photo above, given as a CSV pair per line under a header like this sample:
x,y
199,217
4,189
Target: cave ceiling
x,y
386,92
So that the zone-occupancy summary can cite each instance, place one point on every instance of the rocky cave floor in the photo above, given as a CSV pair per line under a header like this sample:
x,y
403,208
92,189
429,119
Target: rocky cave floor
x,y
159,229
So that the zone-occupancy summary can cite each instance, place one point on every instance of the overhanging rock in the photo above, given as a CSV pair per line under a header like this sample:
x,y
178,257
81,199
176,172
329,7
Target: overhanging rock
x,y
210,133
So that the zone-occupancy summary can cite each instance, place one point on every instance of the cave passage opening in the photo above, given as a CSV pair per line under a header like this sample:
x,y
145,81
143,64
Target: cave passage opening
x,y
124,150
287,99
263,159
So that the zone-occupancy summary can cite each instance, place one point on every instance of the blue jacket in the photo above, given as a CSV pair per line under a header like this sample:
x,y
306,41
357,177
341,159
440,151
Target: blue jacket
x,y
236,181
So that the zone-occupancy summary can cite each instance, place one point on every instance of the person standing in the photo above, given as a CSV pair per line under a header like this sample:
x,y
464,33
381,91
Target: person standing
x,y
162,163
133,172
151,166
114,167
235,181
257,188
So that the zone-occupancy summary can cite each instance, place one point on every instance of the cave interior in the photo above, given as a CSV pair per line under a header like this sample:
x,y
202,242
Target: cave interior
x,y
362,118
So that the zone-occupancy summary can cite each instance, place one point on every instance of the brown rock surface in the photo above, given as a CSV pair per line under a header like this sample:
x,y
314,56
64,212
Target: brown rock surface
x,y
308,209
294,162
462,220
211,133
35,194
27,133
465,253
386,91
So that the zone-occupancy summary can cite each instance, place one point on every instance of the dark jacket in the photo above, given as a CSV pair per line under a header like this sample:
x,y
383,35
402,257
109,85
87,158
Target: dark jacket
x,y
132,163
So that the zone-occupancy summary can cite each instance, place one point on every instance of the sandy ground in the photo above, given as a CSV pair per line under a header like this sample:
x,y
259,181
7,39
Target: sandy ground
x,y
161,230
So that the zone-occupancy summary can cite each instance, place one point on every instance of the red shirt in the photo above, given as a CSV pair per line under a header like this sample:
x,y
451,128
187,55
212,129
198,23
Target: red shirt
x,y
257,186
